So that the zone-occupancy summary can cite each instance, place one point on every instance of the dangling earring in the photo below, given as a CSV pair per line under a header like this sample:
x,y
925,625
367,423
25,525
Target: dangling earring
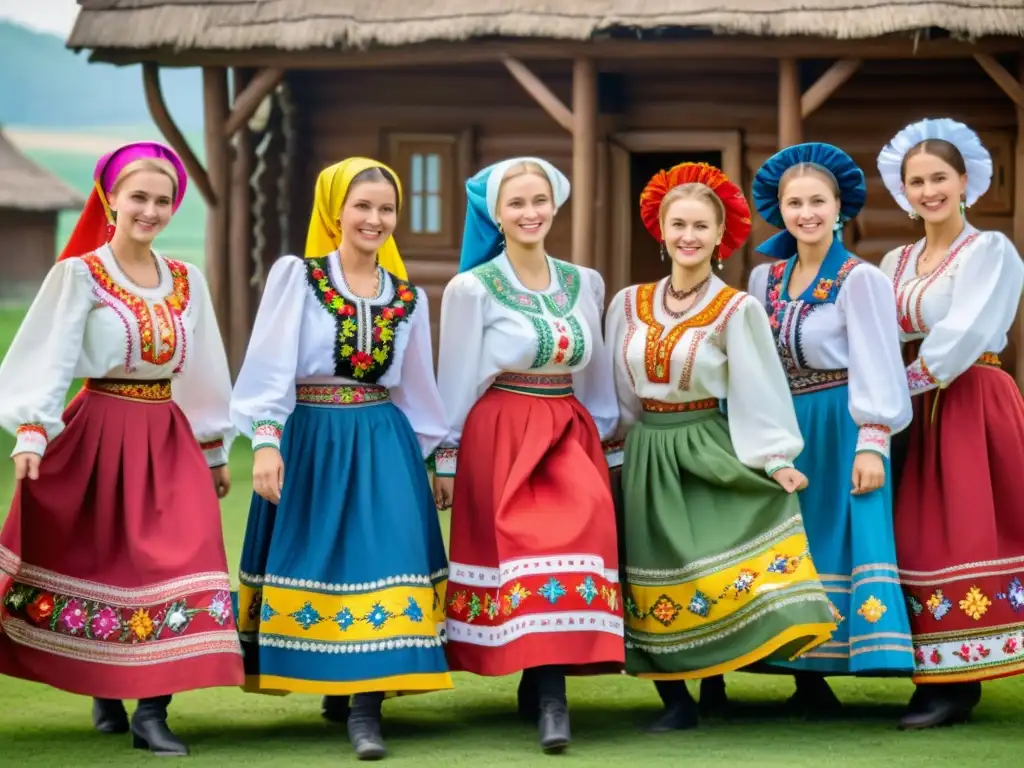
x,y
111,226
663,250
501,238
718,263
838,226
963,207
913,215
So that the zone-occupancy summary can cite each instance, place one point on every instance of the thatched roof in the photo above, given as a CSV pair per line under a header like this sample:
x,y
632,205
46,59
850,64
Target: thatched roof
x,y
350,24
24,186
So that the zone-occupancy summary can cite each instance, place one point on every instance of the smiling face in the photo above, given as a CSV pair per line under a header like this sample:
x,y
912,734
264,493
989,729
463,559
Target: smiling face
x,y
369,215
692,227
933,186
142,200
526,207
810,206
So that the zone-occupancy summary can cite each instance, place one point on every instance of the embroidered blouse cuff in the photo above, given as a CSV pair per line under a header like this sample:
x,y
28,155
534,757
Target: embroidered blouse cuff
x,y
775,463
213,450
444,461
30,438
613,452
919,378
267,433
875,438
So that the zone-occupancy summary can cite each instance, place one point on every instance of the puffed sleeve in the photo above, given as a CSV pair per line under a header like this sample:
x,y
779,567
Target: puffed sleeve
x,y
986,291
416,393
460,349
264,394
879,399
203,389
593,385
40,364
757,284
762,422
628,403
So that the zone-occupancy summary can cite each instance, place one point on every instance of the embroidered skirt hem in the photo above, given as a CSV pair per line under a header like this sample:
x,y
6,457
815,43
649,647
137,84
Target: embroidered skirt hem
x,y
717,570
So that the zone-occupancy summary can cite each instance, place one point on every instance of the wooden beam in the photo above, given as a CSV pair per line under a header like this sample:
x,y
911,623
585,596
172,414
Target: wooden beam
x,y
474,52
248,100
218,161
162,117
1010,85
584,159
540,93
790,122
1018,226
240,267
826,85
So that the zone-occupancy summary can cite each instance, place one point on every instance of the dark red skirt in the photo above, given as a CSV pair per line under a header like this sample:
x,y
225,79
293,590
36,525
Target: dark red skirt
x,y
533,578
959,526
115,578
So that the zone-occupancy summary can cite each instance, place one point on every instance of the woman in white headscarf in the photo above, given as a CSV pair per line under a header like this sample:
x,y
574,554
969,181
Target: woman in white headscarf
x,y
527,385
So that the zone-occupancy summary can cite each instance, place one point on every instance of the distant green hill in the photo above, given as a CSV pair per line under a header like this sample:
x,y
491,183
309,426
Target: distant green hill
x,y
45,85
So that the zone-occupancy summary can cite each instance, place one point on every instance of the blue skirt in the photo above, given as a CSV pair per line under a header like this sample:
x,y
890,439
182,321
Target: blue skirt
x,y
342,583
853,546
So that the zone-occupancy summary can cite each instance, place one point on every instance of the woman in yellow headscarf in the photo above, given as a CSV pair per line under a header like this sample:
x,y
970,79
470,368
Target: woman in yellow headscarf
x,y
343,568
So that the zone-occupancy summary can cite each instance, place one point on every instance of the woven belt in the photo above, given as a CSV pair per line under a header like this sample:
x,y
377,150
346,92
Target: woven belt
x,y
535,384
659,406
158,391
990,359
815,381
340,394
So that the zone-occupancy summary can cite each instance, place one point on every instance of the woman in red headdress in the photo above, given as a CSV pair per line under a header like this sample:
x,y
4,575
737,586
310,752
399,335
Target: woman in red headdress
x,y
113,578
717,572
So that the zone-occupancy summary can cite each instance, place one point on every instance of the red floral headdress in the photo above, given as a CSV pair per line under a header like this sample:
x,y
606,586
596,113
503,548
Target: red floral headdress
x,y
737,211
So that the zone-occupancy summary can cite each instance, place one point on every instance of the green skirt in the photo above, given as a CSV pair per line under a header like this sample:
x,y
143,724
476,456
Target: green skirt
x,y
717,569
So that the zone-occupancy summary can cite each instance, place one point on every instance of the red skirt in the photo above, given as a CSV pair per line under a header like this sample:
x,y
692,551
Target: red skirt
x,y
114,578
533,578
959,527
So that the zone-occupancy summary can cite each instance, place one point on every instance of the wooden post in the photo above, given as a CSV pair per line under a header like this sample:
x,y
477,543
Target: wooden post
x,y
240,267
584,159
790,120
1018,227
218,167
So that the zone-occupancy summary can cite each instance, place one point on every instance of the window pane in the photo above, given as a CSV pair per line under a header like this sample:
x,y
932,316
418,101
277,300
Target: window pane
x,y
433,173
433,213
416,213
416,173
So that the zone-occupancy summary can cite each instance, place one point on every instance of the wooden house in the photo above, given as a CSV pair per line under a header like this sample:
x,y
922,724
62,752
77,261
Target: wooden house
x,y
609,90
30,199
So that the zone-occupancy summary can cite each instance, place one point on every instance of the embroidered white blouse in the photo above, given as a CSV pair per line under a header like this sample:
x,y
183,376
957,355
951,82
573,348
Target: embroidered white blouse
x,y
852,330
721,349
491,323
90,321
961,310
295,340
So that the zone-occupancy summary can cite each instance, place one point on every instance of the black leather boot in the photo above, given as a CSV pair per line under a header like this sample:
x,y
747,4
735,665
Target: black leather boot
x,y
334,708
713,699
527,698
109,716
553,720
680,709
364,726
814,698
933,705
150,731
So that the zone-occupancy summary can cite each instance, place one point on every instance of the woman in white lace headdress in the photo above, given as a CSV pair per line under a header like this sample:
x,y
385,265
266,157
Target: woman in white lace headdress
x,y
959,510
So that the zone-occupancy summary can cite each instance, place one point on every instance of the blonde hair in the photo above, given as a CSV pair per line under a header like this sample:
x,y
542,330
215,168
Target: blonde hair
x,y
522,169
693,190
153,164
808,169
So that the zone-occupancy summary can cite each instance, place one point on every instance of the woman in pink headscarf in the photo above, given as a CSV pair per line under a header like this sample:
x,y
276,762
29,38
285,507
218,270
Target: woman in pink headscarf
x,y
113,578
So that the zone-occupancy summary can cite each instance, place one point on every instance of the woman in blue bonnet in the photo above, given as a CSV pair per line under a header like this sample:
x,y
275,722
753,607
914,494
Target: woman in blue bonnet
x,y
527,385
833,317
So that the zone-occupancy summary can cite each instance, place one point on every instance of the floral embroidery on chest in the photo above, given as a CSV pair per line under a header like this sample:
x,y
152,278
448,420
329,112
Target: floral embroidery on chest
x,y
659,346
910,295
560,336
786,317
364,338
158,322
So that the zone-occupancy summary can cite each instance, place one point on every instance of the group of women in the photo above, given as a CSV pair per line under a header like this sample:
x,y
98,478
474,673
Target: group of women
x,y
765,439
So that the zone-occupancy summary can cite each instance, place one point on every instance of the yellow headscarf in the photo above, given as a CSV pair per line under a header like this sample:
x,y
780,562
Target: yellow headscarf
x,y
331,187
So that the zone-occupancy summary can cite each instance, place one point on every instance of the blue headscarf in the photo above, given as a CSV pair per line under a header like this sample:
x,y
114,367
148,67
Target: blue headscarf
x,y
481,240
833,161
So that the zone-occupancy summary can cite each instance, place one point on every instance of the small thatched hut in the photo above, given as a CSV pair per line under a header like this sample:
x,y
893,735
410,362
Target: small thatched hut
x,y
30,199
610,90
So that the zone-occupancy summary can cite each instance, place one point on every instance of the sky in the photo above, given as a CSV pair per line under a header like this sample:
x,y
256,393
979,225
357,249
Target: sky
x,y
56,16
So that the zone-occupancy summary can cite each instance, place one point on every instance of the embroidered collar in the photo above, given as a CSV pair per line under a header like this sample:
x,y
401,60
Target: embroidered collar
x,y
824,288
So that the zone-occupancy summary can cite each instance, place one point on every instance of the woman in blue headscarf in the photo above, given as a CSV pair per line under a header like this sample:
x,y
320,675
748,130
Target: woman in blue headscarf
x,y
527,385
833,318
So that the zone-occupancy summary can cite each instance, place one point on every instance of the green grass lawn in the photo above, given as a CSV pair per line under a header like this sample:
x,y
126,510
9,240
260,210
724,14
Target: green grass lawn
x,y
475,725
